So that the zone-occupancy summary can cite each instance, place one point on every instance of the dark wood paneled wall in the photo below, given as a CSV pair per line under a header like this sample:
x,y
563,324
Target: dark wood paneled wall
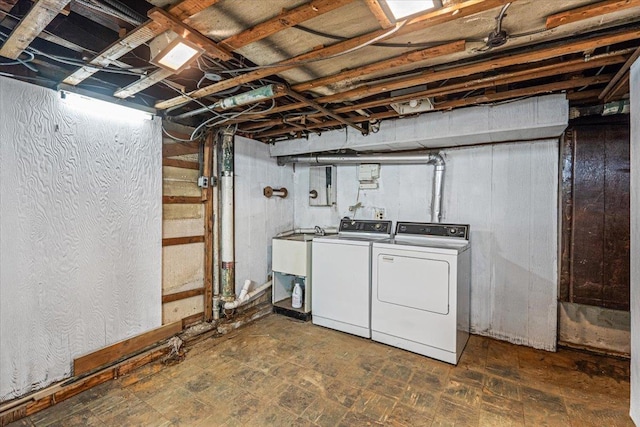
x,y
596,213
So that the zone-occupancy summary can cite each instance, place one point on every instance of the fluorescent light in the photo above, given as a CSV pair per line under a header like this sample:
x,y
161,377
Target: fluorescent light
x,y
403,8
177,55
103,108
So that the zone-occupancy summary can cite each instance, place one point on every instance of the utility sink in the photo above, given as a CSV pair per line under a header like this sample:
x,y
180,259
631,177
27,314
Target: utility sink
x,y
299,237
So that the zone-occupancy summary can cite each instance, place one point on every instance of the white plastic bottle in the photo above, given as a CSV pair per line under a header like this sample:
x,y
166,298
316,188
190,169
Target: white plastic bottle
x,y
296,296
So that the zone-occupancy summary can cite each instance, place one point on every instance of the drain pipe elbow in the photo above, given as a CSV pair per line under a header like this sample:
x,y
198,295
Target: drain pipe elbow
x,y
246,296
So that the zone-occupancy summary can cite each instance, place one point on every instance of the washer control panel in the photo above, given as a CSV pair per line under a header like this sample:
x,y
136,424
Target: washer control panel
x,y
365,226
433,229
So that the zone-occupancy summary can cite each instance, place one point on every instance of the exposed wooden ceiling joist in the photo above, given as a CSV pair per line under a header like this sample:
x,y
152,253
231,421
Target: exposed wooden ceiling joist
x,y
182,11
38,17
378,12
436,17
284,20
589,11
483,99
619,75
558,68
387,64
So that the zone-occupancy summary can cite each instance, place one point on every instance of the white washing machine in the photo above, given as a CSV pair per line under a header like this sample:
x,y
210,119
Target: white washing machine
x,y
341,271
421,289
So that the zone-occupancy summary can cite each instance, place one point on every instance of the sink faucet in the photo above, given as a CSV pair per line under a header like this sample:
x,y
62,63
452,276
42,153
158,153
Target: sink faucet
x,y
319,230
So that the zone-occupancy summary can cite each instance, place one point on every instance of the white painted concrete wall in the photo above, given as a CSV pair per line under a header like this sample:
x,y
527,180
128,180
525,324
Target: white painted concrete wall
x,y
80,234
257,218
635,242
508,194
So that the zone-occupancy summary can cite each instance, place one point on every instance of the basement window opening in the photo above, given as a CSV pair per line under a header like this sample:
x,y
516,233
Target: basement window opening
x,y
400,9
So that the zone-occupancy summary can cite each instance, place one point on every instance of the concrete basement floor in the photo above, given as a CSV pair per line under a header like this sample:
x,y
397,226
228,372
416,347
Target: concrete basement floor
x,y
282,372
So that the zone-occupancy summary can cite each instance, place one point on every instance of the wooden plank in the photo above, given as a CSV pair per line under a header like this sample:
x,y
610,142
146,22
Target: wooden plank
x,y
120,349
182,10
38,17
184,164
620,89
379,13
387,64
173,241
177,26
589,11
180,148
140,85
284,20
182,295
192,320
436,17
208,229
181,200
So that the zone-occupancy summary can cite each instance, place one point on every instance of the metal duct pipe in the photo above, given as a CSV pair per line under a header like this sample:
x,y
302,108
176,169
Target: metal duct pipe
x,y
227,249
390,159
215,172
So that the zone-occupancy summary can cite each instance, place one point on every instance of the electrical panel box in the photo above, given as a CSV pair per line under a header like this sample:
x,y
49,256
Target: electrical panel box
x,y
368,175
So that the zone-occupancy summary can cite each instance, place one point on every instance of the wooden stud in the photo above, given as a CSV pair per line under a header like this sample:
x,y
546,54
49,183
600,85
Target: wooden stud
x,y
184,164
379,13
589,11
173,241
620,89
284,20
38,17
207,194
387,64
439,16
182,11
182,295
184,200
123,348
180,148
140,85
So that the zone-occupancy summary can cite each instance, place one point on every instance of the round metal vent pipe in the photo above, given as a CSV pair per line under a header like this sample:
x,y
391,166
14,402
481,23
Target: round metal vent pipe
x,y
390,159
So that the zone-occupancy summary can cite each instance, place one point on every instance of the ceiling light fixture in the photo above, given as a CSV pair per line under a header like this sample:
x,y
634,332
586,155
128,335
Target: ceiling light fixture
x,y
92,103
399,9
172,52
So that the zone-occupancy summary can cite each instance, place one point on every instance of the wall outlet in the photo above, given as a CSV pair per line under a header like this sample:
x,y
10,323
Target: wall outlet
x,y
379,213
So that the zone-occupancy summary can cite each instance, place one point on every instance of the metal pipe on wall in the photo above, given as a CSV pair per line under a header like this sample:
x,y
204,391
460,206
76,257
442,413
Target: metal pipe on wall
x,y
215,172
227,247
391,159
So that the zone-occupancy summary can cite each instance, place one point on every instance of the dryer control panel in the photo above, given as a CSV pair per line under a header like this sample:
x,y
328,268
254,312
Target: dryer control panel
x,y
433,229
365,226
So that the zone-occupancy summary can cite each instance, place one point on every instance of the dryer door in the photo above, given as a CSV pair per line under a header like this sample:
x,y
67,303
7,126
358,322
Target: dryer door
x,y
413,280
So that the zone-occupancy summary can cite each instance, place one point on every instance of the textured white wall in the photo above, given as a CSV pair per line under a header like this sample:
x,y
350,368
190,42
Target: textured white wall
x,y
508,194
635,242
257,218
80,234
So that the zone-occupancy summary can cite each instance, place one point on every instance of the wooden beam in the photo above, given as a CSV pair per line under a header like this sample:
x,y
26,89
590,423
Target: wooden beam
x,y
620,89
379,13
38,17
439,16
182,11
182,295
184,164
183,30
145,82
589,11
387,64
529,56
324,111
207,195
181,200
284,20
173,241
123,348
620,74
500,96
180,148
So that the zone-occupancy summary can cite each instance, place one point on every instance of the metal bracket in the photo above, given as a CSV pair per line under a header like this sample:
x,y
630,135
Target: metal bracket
x,y
207,181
